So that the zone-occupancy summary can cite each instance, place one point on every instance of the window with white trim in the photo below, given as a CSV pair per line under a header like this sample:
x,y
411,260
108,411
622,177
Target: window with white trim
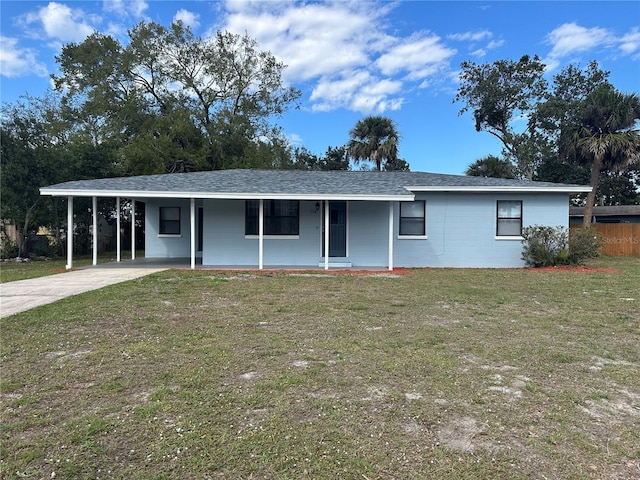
x,y
412,218
281,217
509,218
169,221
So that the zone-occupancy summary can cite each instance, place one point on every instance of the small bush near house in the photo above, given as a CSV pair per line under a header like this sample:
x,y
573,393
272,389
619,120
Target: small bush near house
x,y
545,246
584,243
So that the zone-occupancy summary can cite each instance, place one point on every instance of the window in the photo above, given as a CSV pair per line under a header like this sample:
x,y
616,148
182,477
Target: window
x,y
281,217
169,221
412,218
509,220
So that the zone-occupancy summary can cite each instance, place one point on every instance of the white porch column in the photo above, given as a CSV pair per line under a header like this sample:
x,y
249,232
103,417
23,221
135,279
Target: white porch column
x,y
193,233
133,229
118,245
94,215
261,235
69,265
326,234
390,235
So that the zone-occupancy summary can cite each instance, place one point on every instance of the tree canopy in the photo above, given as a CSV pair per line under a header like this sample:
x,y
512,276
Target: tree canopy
x,y
499,93
374,139
177,102
538,124
605,136
491,166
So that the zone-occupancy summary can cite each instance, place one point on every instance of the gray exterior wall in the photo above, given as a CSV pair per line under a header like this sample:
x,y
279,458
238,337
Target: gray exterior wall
x,y
461,232
461,229
167,246
225,243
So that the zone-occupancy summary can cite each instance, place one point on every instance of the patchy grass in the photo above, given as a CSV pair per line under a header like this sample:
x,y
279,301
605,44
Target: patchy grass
x,y
11,271
439,373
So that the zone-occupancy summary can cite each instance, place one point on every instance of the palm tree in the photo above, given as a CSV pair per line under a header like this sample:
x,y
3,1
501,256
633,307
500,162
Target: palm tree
x,y
374,139
606,136
491,166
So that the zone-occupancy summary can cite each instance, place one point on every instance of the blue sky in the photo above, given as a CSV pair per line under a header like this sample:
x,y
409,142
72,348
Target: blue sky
x,y
352,59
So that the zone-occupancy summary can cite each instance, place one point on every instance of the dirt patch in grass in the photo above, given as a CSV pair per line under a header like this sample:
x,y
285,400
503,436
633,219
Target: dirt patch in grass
x,y
573,269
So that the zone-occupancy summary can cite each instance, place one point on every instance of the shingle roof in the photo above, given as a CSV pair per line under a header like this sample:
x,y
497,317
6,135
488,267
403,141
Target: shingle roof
x,y
614,210
294,183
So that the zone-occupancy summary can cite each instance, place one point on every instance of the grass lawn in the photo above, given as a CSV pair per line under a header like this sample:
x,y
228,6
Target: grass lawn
x,y
436,373
11,271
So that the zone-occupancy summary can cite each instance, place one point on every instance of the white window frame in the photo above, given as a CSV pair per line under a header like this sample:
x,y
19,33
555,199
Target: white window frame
x,y
424,216
498,218
160,222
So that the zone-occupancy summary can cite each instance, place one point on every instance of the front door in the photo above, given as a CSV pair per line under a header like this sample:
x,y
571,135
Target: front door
x,y
337,229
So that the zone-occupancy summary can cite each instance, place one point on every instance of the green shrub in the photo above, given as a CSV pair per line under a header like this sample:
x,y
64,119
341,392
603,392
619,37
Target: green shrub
x,y
584,243
8,248
544,246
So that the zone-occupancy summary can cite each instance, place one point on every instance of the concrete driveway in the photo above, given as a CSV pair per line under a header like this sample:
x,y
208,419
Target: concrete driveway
x,y
23,295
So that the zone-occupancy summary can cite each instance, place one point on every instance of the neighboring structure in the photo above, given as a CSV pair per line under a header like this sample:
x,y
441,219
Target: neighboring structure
x,y
294,218
609,214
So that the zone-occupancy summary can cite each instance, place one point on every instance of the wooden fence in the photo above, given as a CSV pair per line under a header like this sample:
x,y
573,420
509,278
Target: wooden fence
x,y
620,239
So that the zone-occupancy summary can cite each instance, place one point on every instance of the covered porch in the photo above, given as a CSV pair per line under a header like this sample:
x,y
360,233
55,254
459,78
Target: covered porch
x,y
184,263
194,238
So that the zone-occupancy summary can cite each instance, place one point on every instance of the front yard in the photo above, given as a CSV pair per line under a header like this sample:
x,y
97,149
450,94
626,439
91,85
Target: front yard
x,y
436,373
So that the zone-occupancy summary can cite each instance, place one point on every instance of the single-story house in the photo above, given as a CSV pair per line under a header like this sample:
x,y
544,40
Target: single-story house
x,y
360,219
606,214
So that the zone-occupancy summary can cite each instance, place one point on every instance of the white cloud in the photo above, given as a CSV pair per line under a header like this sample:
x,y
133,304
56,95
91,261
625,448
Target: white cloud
x,y
471,36
188,18
493,44
630,43
62,23
295,139
125,8
343,48
569,39
420,56
358,91
18,62
301,35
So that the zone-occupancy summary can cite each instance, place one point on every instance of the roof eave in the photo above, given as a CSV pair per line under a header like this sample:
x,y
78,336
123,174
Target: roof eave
x,y
502,189
71,192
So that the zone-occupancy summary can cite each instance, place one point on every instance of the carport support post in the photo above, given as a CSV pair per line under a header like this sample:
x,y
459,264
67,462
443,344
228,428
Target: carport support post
x,y
69,265
261,235
390,235
94,215
133,229
326,234
118,245
193,232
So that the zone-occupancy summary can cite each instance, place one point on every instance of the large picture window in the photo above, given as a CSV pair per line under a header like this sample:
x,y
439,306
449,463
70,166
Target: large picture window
x,y
412,218
509,218
169,221
281,217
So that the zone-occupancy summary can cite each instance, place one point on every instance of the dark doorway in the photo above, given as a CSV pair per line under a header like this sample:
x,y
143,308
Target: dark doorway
x,y
337,230
199,232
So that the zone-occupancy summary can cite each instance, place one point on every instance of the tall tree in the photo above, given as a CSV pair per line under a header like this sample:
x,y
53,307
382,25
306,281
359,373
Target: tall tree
x,y
500,93
374,139
335,158
605,136
40,148
557,115
148,91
